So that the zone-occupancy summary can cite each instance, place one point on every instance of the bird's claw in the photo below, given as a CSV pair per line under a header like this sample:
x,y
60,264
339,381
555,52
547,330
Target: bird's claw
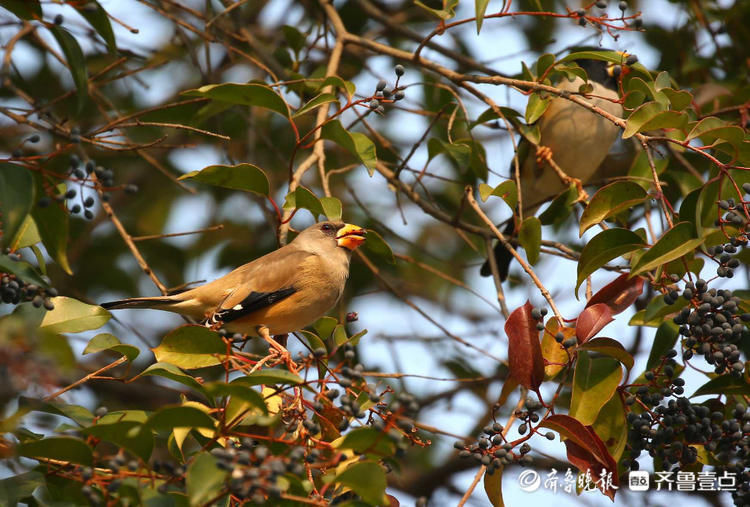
x,y
276,349
544,155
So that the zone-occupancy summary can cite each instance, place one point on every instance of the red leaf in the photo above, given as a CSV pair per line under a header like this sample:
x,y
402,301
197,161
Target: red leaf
x,y
584,460
618,294
524,350
573,430
591,320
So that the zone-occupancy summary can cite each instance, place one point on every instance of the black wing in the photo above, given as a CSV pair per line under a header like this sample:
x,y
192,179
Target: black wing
x,y
253,302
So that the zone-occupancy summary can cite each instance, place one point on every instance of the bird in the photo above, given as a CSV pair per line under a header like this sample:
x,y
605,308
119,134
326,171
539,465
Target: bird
x,y
578,139
278,293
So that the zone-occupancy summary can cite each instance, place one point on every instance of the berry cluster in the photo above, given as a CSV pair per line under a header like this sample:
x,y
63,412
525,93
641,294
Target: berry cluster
x,y
88,175
383,94
494,451
603,4
671,432
255,470
712,325
13,291
731,212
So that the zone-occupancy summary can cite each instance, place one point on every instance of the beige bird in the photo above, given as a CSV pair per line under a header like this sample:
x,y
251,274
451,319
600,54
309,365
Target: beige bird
x,y
576,139
283,291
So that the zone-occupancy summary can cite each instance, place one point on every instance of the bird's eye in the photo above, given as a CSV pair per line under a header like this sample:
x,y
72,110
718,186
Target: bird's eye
x,y
326,227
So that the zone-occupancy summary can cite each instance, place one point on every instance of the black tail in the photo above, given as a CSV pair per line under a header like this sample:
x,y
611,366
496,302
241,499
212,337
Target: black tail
x,y
154,302
503,257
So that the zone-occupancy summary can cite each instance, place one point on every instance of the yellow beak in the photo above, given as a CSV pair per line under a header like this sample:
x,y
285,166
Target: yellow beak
x,y
351,236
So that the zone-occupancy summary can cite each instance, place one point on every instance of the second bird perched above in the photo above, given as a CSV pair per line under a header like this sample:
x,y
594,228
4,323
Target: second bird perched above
x,y
578,139
284,290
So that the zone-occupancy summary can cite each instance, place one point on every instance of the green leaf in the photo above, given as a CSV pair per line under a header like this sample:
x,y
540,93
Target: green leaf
x,y
21,486
664,341
490,114
543,63
314,342
604,56
77,413
238,391
24,9
204,480
243,94
609,201
644,114
314,103
191,346
367,440
294,38
724,385
612,427
324,326
367,479
711,129
332,208
506,191
76,61
128,434
171,372
303,198
339,335
97,18
530,237
493,486
445,14
679,99
677,241
536,107
245,177
52,223
269,377
28,235
335,82
22,270
70,449
560,207
604,247
73,316
355,143
459,152
16,200
611,348
657,308
106,341
480,7
594,383
656,311
647,117
377,245
180,417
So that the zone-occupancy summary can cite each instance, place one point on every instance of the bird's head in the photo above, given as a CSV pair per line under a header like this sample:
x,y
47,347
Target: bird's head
x,y
604,72
332,233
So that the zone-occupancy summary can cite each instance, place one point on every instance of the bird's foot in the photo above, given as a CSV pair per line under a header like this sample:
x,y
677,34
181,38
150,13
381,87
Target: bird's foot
x,y
583,196
544,156
277,349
